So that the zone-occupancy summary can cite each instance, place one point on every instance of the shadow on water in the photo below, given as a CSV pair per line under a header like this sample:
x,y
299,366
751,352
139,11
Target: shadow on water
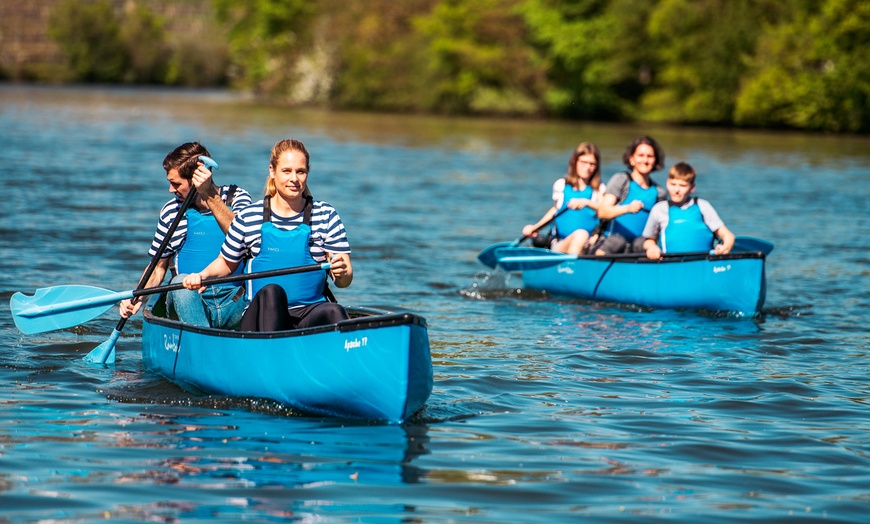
x,y
501,285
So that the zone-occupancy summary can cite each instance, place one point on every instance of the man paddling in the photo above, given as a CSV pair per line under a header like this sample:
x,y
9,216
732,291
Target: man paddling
x,y
196,240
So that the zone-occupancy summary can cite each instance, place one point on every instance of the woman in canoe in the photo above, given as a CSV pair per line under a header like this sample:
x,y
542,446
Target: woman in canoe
x,y
630,196
287,228
576,197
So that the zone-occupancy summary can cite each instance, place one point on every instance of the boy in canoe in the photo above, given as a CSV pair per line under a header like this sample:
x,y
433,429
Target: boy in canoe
x,y
197,238
684,223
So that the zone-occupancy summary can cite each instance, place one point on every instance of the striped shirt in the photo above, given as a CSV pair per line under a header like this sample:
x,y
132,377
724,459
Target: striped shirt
x,y
327,231
241,199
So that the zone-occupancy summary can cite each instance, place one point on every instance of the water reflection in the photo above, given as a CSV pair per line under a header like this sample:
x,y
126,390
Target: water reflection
x,y
263,451
543,407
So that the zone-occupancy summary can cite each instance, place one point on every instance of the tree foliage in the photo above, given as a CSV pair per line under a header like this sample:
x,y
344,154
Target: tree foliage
x,y
132,45
265,38
477,59
90,36
812,73
803,64
703,46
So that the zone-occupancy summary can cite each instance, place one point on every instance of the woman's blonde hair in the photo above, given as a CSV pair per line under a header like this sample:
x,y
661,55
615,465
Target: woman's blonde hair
x,y
281,147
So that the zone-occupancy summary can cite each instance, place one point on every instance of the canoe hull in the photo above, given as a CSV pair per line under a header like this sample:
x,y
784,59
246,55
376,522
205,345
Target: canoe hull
x,y
375,366
730,283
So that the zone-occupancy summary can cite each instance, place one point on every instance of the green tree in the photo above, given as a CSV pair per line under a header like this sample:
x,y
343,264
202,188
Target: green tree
x,y
811,72
703,48
380,57
596,52
90,36
266,39
144,38
478,59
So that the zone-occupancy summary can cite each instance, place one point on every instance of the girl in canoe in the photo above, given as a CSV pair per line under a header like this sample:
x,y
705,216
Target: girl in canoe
x,y
576,198
287,228
629,197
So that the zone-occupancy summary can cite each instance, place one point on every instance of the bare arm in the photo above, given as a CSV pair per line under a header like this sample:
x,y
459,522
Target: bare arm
x,y
608,210
727,238
210,194
341,269
530,229
219,267
127,307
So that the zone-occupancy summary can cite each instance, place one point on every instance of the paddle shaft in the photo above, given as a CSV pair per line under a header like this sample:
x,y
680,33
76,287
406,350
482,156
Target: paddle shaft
x,y
111,297
156,258
235,278
556,215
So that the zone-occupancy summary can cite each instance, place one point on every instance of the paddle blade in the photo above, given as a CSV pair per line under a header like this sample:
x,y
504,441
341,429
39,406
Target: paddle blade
x,y
105,352
524,258
751,244
487,256
58,307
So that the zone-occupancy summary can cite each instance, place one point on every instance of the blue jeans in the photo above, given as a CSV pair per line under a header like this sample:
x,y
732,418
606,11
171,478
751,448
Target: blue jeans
x,y
218,306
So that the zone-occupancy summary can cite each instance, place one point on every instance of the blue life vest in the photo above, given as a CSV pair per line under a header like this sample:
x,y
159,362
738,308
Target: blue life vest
x,y
280,249
686,231
630,225
202,243
575,219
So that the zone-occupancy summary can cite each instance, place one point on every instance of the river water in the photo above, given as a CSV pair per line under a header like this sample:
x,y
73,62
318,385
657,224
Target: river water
x,y
544,409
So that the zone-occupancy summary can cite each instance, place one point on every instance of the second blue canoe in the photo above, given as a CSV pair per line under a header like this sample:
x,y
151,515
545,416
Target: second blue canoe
x,y
733,283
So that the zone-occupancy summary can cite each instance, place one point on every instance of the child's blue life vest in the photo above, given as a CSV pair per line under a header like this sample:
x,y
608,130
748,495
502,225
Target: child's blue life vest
x,y
574,219
686,231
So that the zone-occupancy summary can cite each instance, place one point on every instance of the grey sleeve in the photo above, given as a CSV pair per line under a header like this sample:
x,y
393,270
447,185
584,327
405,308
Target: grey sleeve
x,y
711,217
618,186
658,219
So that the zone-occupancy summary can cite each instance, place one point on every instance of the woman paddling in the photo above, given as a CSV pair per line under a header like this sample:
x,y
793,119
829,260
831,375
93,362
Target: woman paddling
x,y
629,198
287,228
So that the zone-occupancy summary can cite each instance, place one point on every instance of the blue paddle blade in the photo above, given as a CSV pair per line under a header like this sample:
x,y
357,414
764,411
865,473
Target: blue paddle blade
x,y
751,244
105,352
487,256
525,258
58,307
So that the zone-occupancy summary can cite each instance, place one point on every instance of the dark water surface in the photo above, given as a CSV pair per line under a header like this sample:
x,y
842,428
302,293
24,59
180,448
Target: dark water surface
x,y
544,409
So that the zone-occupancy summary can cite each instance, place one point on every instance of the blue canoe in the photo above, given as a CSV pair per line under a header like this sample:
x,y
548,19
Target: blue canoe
x,y
733,283
374,366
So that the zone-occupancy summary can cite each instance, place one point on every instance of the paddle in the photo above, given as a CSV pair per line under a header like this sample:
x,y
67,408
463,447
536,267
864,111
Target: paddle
x,y
752,244
487,256
105,352
60,307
